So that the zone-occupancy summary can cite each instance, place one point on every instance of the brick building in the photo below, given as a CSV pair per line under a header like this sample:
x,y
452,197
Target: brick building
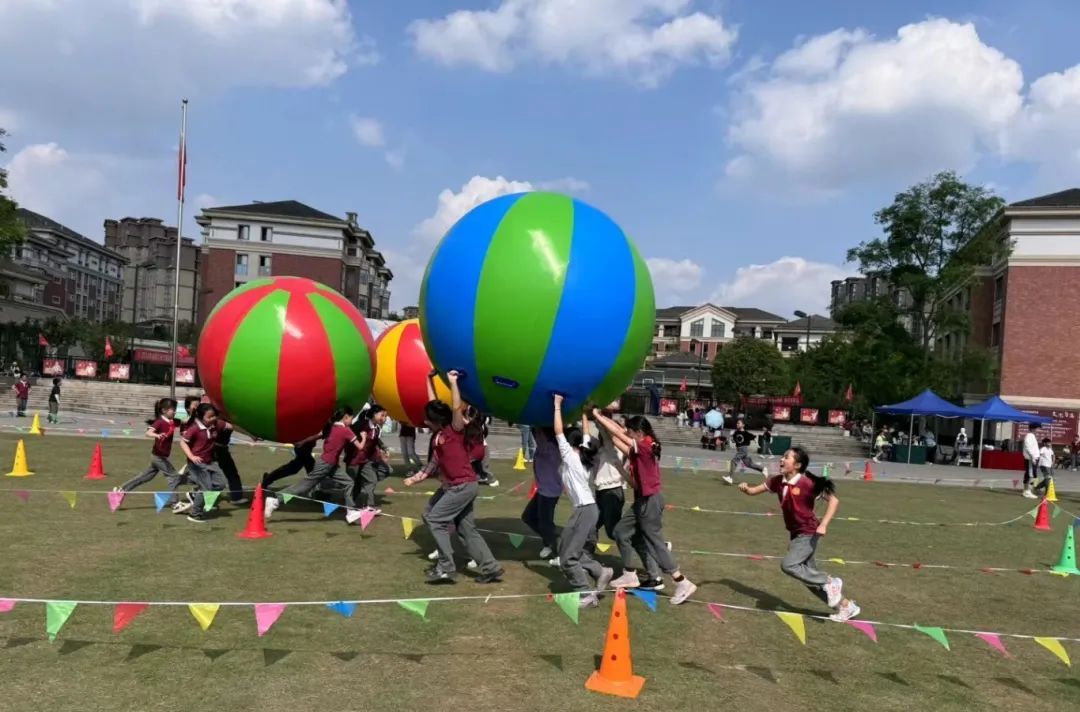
x,y
703,330
245,242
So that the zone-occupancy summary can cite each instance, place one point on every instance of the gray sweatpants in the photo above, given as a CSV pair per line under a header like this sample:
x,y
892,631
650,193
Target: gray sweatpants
x,y
799,564
742,457
206,477
577,539
641,530
322,471
157,464
366,477
408,451
455,506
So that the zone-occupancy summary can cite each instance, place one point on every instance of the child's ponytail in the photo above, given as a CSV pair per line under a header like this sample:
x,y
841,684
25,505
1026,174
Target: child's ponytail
x,y
160,407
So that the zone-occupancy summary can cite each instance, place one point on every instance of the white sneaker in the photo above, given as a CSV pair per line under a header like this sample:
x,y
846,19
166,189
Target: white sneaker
x,y
589,600
604,581
1029,494
846,612
352,516
117,489
629,579
493,483
834,589
765,470
181,507
683,590
471,566
668,543
554,562
433,555
269,506
546,552
727,479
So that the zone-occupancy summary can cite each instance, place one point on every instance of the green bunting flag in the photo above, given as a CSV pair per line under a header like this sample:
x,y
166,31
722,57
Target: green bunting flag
x,y
56,615
417,607
570,604
286,497
936,633
210,499
516,540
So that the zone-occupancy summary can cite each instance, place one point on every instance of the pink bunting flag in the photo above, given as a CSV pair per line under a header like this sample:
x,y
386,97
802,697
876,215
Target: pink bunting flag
x,y
115,498
266,615
6,604
23,495
389,490
717,610
366,517
867,628
994,641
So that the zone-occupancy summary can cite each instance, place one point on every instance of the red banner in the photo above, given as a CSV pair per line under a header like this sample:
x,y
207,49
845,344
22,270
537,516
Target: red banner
x,y
781,412
1061,431
764,401
119,371
86,369
52,367
837,417
668,406
159,356
697,405
809,415
185,375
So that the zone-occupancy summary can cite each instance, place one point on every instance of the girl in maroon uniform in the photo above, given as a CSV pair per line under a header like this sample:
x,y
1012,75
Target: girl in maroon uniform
x,y
197,443
162,429
337,441
363,459
798,491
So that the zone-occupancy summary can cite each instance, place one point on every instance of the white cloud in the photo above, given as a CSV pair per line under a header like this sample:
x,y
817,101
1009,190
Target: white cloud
x,y
674,280
782,286
395,159
1047,131
565,185
368,131
642,40
845,107
451,206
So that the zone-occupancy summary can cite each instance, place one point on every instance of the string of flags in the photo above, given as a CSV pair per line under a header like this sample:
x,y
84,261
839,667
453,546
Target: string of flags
x,y
773,513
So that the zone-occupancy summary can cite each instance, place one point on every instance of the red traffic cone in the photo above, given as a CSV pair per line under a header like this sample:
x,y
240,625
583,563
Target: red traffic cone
x,y
1042,517
868,472
97,469
532,490
256,523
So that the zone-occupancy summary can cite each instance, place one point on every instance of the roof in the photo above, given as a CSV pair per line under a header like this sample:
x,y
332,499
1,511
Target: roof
x,y
672,312
684,358
817,323
754,314
926,403
1062,199
37,221
279,208
993,408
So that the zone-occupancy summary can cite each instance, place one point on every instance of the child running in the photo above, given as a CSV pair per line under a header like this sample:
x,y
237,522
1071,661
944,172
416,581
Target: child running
x,y
642,528
303,459
539,513
455,505
54,402
742,438
225,461
197,443
340,437
798,490
363,461
579,535
162,429
1046,466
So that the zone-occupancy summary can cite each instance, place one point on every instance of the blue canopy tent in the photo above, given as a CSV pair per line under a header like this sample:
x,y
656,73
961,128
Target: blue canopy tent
x,y
993,408
926,403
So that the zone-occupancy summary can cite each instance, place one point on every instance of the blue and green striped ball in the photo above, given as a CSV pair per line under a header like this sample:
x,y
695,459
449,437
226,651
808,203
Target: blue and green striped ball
x,y
533,294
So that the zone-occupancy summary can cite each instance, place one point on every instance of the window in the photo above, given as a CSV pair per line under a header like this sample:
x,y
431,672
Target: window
x,y
995,334
718,329
767,334
789,343
266,234
243,232
242,265
999,288
264,265
697,328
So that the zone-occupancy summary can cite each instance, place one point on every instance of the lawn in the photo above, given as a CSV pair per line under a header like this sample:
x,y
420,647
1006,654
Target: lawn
x,y
520,653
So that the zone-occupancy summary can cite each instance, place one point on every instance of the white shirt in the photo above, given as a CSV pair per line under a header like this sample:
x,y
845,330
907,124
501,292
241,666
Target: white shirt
x,y
610,467
1031,447
575,478
1046,457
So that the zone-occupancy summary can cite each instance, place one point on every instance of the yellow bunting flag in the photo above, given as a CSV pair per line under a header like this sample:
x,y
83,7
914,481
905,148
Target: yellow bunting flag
x,y
204,613
796,623
838,561
853,519
1054,646
602,547
408,524
70,497
695,508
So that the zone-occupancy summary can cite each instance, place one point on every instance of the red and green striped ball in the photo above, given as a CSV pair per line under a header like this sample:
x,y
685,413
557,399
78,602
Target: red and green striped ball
x,y
278,355
533,294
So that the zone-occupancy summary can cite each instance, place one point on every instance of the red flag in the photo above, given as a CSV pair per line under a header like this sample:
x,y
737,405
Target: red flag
x,y
682,386
850,394
41,340
798,390
108,348
183,351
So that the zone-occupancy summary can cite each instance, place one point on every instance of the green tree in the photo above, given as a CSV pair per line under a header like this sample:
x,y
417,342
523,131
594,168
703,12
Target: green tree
x,y
12,231
749,366
933,242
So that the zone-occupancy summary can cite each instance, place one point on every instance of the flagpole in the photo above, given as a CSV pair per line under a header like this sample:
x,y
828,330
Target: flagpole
x,y
180,181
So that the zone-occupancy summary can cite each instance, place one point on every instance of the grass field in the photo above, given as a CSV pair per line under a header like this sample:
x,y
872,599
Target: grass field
x,y
520,653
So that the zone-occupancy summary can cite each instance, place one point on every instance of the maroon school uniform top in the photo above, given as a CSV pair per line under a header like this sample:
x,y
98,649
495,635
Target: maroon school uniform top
x,y
644,468
200,440
455,464
360,456
796,502
336,441
224,431
166,428
22,390
476,450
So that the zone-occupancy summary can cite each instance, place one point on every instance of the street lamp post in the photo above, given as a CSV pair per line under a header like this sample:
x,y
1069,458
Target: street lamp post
x,y
803,315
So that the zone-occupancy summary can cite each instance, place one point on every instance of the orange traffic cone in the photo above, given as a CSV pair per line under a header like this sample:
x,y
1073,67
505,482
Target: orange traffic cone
x,y
1042,517
616,674
868,472
97,469
532,490
256,523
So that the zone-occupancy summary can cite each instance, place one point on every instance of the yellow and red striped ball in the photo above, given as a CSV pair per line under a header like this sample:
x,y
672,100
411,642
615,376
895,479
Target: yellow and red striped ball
x,y
402,367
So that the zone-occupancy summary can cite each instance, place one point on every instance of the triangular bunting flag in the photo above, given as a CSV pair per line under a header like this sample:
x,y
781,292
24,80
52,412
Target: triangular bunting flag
x,y
717,610
115,498
6,604
994,641
1054,646
366,517
866,628
266,615
837,561
124,613
516,540
23,495
407,525
649,597
796,623
328,508
345,608
286,497
160,500
570,604
204,613
389,490
936,633
57,614
210,499
417,607
602,547
695,508
70,497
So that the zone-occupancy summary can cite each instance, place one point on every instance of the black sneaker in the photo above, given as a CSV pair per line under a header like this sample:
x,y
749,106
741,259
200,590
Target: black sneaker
x,y
494,577
436,577
197,518
652,585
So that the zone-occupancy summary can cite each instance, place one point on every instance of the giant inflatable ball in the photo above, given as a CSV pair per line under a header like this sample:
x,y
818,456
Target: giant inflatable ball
x,y
278,355
533,294
402,368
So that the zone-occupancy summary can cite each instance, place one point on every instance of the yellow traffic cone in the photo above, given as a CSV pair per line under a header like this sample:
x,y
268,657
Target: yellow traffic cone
x,y
1051,493
35,427
519,464
20,468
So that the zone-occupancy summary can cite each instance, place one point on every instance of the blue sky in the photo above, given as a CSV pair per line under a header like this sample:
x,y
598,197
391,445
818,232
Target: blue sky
x,y
743,145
